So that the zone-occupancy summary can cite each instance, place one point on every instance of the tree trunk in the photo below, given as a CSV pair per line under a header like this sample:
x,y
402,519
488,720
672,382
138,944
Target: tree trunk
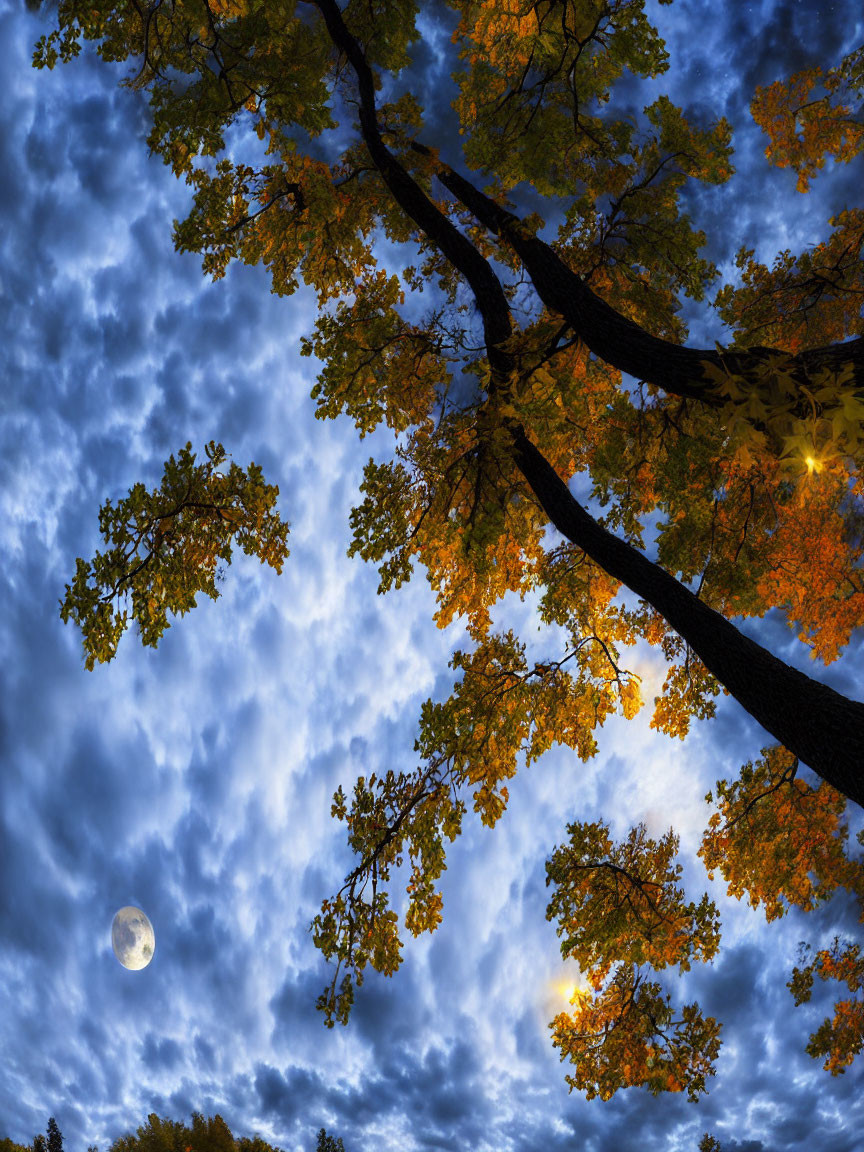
x,y
822,728
614,338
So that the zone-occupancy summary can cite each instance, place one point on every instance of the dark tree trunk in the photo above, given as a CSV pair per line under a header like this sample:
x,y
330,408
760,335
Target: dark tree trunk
x,y
614,338
822,728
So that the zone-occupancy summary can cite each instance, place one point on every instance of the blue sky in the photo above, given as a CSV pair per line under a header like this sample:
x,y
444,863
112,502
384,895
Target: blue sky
x,y
195,781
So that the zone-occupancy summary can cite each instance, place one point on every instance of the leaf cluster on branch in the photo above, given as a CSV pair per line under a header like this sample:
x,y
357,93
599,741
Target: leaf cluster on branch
x,y
166,546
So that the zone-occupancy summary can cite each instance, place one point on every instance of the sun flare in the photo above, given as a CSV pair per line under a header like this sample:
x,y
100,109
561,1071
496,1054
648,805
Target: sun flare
x,y
571,991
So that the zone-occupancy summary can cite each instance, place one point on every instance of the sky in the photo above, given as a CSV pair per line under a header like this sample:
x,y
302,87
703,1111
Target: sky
x,y
194,781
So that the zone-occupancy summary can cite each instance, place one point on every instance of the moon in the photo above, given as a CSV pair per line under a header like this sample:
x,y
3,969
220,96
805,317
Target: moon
x,y
132,938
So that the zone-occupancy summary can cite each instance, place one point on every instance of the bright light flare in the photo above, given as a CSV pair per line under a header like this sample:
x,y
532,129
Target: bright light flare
x,y
571,991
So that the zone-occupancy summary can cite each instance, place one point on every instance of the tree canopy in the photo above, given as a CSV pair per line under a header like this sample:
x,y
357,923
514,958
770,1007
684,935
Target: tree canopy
x,y
204,1134
495,341
53,1143
7,1145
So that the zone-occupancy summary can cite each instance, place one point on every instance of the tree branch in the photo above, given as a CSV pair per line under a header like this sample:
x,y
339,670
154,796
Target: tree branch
x,y
612,337
822,728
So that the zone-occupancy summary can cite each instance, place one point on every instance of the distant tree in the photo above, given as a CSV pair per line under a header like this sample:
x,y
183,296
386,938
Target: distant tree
x,y
7,1145
329,1143
253,1144
710,1143
744,464
55,1136
39,1143
210,1134
164,1135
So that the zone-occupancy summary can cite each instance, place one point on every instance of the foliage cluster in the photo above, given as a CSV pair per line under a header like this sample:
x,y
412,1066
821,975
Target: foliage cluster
x,y
166,545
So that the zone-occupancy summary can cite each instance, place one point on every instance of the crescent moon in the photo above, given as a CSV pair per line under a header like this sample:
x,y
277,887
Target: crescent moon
x,y
132,938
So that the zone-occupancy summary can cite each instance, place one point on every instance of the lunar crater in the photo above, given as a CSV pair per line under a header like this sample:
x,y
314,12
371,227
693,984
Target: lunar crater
x,y
132,938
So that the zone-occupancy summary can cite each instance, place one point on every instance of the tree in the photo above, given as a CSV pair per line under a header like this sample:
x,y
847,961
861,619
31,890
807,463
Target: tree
x,y
503,391
7,1145
329,1143
210,1134
55,1136
206,1134
39,1143
163,1135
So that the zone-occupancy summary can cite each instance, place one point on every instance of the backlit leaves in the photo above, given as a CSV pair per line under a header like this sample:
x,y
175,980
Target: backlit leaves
x,y
376,366
167,545
804,443
783,843
840,1038
502,711
622,915
534,76
777,839
628,1035
621,903
804,126
802,301
455,501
